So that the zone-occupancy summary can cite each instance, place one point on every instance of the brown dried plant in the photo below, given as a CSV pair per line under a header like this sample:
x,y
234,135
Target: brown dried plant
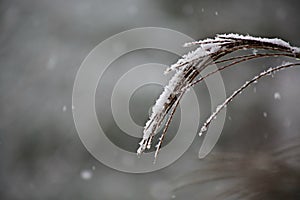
x,y
209,52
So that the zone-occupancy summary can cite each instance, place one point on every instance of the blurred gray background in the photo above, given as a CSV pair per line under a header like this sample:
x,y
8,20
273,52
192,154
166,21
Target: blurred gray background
x,y
42,44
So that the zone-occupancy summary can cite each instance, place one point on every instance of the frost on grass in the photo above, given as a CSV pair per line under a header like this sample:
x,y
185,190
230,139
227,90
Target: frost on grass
x,y
187,69
243,87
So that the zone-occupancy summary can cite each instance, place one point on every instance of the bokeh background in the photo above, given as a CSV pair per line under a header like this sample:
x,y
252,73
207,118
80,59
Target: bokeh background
x,y
42,44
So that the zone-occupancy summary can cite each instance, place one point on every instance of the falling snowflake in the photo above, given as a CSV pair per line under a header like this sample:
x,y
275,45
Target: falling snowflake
x,y
265,114
86,174
64,108
277,96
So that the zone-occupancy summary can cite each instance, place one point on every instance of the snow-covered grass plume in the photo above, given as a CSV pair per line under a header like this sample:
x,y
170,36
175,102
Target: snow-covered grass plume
x,y
208,52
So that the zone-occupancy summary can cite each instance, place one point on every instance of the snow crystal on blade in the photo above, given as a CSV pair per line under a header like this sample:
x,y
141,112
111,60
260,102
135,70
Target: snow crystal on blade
x,y
175,87
204,50
159,109
275,41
